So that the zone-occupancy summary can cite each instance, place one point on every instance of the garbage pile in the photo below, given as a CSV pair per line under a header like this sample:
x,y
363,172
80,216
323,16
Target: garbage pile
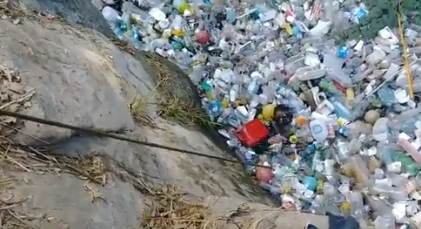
x,y
323,127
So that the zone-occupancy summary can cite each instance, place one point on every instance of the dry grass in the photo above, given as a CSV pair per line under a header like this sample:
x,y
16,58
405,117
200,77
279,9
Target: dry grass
x,y
10,215
15,96
168,210
13,158
175,99
173,94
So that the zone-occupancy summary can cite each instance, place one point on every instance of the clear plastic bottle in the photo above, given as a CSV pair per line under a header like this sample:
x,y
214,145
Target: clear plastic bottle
x,y
358,169
253,87
357,206
340,109
360,108
275,190
317,205
384,222
332,195
110,15
381,129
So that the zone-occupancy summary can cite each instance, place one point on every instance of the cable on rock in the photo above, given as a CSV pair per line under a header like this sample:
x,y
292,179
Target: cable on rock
x,y
120,137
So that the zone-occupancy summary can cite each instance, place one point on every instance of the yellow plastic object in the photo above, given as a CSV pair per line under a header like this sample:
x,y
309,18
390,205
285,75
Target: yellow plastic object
x,y
285,189
225,104
240,102
320,187
345,207
405,53
293,139
350,96
177,32
342,122
288,28
185,6
209,95
267,112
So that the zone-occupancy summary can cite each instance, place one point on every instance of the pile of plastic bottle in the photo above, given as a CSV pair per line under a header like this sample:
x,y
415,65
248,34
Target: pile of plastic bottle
x,y
355,145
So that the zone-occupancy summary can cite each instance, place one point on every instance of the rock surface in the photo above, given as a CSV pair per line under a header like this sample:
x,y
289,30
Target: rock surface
x,y
82,79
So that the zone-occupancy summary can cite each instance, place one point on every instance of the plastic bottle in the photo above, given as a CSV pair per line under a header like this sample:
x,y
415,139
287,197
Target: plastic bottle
x,y
317,205
250,157
318,162
392,156
184,59
357,206
386,96
350,97
285,176
110,15
275,190
332,195
340,109
319,130
253,87
335,71
384,222
358,169
118,32
215,109
360,108
381,129
331,125
342,147
136,37
411,149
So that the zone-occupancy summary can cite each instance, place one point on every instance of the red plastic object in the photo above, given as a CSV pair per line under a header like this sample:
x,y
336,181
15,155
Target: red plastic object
x,y
203,37
264,174
252,133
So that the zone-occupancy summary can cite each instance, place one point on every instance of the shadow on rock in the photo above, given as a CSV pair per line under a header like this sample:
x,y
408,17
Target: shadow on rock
x,y
77,11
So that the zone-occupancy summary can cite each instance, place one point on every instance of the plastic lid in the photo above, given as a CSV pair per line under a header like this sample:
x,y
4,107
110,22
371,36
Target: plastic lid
x,y
301,120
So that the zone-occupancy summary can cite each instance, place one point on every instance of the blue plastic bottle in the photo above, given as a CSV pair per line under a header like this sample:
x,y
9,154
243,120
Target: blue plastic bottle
x,y
215,108
342,52
310,183
340,110
117,29
136,38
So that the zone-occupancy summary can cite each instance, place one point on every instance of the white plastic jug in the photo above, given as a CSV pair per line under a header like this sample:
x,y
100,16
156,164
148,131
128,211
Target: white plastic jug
x,y
110,15
319,130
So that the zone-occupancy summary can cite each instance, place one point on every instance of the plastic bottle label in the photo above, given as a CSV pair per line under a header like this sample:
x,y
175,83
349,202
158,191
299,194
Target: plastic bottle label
x,y
317,129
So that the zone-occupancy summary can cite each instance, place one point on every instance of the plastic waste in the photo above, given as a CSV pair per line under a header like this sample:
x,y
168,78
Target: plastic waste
x,y
352,140
319,130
